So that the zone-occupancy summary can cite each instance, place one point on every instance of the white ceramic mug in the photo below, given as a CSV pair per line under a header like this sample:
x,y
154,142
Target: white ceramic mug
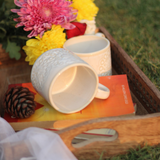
x,y
93,49
67,82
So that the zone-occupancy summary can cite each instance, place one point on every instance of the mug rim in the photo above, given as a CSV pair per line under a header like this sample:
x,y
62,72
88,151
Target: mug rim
x,y
51,84
91,53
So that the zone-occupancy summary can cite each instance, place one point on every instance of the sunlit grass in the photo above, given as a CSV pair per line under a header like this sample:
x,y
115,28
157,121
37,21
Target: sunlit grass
x,y
146,153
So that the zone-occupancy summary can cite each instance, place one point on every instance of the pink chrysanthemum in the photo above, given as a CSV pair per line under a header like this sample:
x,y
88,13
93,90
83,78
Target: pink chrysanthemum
x,y
39,15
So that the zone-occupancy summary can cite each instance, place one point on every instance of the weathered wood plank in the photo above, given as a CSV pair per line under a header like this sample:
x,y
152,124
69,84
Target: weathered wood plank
x,y
132,131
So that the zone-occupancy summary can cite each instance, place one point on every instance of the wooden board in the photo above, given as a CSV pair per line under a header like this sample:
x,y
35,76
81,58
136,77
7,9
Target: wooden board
x,y
131,132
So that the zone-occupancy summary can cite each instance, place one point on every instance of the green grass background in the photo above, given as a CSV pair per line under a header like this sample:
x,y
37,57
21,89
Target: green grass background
x,y
145,153
135,25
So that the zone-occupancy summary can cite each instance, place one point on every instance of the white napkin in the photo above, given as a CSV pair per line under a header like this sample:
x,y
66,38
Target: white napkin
x,y
31,144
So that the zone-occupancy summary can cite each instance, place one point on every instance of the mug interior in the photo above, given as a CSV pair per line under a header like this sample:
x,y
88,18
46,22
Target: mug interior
x,y
75,92
64,80
86,44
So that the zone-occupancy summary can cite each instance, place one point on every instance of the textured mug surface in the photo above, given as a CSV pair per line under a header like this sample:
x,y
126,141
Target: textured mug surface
x,y
67,82
95,50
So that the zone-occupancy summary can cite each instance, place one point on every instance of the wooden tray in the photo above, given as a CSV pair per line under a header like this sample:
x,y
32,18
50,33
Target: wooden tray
x,y
131,131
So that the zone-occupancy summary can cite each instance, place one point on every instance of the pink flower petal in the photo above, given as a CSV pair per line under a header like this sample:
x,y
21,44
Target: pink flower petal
x,y
68,26
32,34
30,2
41,34
47,25
27,28
15,10
40,15
19,4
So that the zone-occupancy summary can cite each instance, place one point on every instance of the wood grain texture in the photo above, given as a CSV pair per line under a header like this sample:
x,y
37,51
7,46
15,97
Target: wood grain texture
x,y
60,124
131,132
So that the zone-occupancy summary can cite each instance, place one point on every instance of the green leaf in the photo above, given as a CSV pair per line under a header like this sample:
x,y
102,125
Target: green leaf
x,y
13,50
1,4
10,4
4,44
2,32
2,9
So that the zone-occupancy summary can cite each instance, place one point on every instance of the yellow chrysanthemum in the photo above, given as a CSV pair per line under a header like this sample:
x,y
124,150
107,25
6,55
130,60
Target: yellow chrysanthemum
x,y
54,38
86,9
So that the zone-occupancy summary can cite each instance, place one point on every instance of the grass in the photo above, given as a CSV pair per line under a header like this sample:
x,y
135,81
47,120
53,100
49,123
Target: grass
x,y
145,153
135,25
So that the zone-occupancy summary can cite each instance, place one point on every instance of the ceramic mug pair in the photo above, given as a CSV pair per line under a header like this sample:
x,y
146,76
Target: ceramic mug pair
x,y
65,80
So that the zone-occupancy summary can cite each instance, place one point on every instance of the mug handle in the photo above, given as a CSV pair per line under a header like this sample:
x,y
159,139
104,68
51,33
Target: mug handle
x,y
102,92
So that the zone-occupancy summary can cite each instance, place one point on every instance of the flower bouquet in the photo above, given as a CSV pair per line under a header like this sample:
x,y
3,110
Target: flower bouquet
x,y
49,23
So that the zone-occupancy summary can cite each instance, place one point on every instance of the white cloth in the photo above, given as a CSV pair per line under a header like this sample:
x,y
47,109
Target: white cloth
x,y
31,144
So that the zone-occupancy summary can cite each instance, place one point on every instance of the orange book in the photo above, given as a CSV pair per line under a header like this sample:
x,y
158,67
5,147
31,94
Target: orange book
x,y
119,103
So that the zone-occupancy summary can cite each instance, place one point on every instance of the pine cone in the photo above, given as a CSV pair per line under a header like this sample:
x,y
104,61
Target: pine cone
x,y
19,102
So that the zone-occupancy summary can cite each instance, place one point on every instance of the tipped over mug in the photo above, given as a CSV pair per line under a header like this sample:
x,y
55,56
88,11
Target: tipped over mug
x,y
93,49
67,82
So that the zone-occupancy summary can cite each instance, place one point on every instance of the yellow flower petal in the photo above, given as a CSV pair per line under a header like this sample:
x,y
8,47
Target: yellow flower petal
x,y
32,42
86,9
54,38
